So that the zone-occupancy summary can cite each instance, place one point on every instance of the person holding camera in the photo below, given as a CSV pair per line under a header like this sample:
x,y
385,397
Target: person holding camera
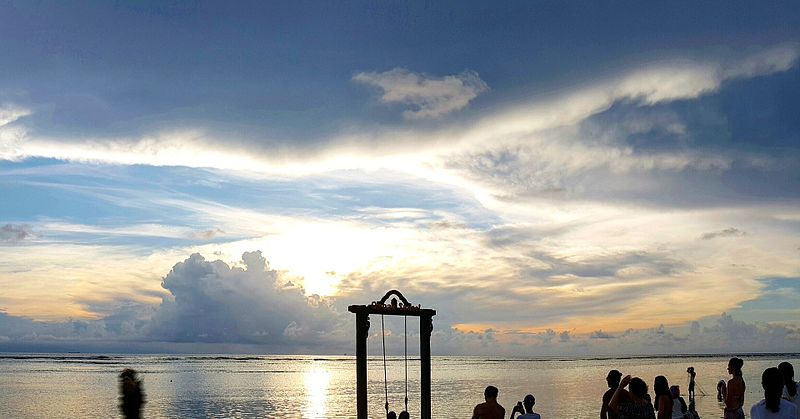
x,y
527,411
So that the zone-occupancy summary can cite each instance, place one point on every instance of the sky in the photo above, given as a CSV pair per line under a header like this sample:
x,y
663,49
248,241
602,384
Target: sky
x,y
554,178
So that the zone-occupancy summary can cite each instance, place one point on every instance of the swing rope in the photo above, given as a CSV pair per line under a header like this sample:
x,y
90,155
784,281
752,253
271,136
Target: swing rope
x,y
385,384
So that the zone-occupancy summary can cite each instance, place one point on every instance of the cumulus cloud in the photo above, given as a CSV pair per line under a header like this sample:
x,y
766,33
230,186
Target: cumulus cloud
x,y
728,232
10,233
211,301
429,96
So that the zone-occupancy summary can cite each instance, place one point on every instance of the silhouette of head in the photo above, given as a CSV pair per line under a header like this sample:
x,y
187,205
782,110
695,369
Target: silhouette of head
x,y
638,387
613,378
735,366
787,371
128,373
404,415
391,415
772,381
490,392
675,391
528,402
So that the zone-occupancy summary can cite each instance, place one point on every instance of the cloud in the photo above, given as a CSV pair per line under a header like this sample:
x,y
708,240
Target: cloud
x,y
10,113
430,96
728,232
10,233
211,301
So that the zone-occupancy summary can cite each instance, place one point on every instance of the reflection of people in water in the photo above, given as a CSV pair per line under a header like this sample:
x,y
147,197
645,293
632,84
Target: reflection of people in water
x,y
722,390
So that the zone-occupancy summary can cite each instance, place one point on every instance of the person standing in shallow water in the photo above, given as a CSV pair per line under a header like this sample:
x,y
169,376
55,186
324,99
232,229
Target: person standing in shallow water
x,y
692,383
612,379
131,394
734,399
489,409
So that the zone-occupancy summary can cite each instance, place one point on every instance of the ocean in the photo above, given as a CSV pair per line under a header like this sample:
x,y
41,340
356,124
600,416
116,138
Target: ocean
x,y
279,386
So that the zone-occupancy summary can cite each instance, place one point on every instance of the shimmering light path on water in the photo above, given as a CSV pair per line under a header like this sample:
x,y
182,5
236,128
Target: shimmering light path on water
x,y
46,386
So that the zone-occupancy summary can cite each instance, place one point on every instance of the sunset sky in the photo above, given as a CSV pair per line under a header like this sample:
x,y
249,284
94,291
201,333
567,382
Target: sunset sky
x,y
552,177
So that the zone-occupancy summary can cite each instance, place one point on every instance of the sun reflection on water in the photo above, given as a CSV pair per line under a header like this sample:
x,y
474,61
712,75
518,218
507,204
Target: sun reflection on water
x,y
316,382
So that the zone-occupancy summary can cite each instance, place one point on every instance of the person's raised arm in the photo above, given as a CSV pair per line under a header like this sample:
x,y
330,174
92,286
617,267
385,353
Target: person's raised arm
x,y
517,409
615,399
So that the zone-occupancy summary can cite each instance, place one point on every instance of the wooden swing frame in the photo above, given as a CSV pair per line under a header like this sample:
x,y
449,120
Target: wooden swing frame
x,y
403,308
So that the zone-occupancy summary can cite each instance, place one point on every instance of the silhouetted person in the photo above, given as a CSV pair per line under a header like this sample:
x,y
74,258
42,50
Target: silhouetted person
x,y
734,398
633,404
722,390
679,408
790,387
391,415
612,379
662,402
131,394
525,408
692,384
404,415
773,406
489,409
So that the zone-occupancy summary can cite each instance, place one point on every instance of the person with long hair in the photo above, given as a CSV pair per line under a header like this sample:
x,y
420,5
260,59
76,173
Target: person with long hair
x,y
662,403
790,387
633,404
734,399
773,406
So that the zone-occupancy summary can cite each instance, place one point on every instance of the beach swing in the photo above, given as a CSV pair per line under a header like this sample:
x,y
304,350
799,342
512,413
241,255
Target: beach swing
x,y
393,308
405,361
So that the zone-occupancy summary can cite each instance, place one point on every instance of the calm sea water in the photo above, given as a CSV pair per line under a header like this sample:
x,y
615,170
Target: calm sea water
x,y
85,386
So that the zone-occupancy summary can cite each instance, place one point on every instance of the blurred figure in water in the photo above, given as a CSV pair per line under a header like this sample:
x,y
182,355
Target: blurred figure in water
x,y
131,394
722,390
404,415
679,408
391,415
662,402
612,379
773,406
734,399
633,404
692,383
790,387
490,409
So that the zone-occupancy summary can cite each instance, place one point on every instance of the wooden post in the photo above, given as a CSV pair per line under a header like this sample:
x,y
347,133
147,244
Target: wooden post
x,y
425,328
362,332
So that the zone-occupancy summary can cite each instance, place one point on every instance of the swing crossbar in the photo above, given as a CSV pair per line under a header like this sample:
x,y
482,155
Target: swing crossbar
x,y
392,311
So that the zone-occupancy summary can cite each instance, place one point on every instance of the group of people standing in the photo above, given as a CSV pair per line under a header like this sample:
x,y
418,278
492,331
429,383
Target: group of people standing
x,y
780,396
490,409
